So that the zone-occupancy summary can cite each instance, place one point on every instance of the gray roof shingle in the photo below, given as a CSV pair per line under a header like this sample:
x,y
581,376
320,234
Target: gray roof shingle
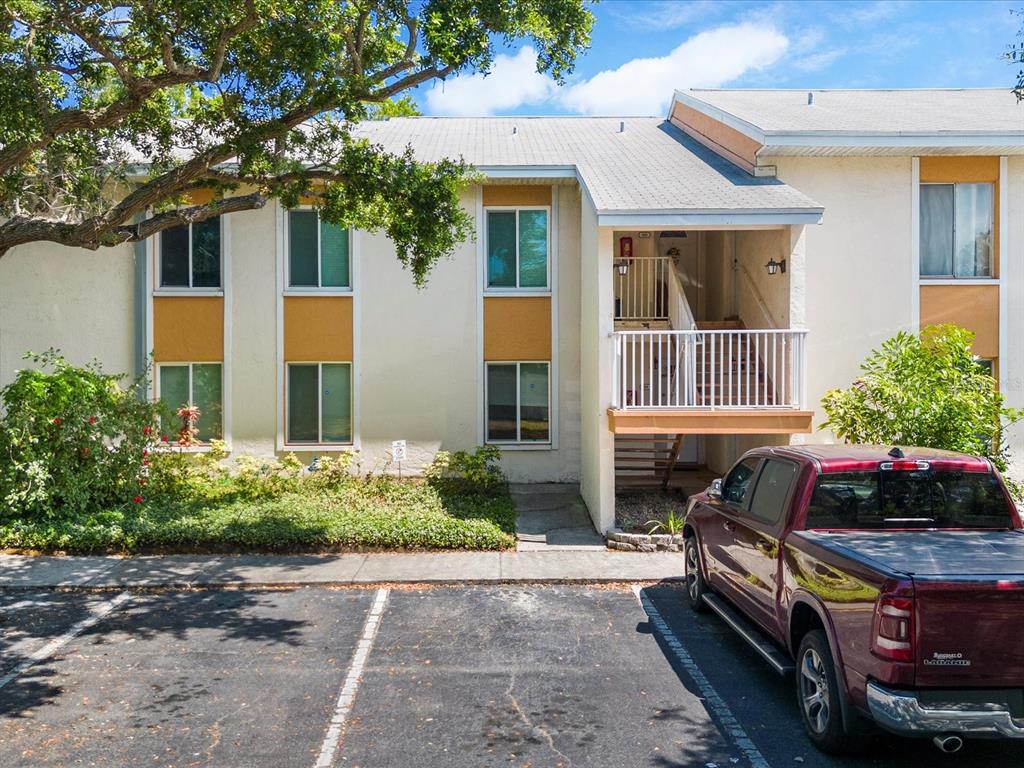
x,y
651,166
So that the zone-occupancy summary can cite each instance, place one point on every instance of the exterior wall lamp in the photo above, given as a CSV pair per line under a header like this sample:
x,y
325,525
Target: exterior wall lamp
x,y
622,267
774,266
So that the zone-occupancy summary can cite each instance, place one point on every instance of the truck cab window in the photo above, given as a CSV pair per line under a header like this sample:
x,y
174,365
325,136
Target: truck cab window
x,y
737,483
772,490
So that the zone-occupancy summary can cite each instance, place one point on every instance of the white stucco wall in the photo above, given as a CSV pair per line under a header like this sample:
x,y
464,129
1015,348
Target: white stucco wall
x,y
250,290
858,265
75,300
1011,267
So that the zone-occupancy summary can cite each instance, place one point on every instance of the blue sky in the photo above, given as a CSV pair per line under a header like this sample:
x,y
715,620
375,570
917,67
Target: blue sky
x,y
642,50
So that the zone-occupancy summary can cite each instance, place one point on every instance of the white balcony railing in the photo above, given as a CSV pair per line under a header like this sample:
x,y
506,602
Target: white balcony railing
x,y
738,369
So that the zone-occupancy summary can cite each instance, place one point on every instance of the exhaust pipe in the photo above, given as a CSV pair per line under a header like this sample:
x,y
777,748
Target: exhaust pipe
x,y
948,743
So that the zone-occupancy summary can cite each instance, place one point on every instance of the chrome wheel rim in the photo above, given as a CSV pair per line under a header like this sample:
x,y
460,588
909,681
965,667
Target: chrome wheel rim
x,y
814,695
692,571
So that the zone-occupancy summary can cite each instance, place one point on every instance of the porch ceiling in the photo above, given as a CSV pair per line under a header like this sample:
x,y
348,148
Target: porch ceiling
x,y
730,421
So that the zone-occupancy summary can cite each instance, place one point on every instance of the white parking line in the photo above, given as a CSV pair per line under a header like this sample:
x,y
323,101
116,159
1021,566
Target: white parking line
x,y
719,709
336,728
96,614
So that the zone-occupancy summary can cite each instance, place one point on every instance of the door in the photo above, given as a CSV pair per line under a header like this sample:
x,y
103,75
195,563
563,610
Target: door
x,y
719,534
756,539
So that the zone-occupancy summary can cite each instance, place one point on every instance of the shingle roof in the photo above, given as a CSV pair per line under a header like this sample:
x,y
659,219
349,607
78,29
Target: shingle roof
x,y
924,111
649,167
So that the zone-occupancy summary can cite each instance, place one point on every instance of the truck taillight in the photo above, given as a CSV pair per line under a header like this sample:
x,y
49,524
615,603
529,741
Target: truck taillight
x,y
894,628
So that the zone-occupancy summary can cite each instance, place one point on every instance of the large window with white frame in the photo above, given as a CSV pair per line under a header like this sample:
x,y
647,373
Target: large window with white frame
x,y
518,246
957,230
319,403
198,385
518,398
190,255
318,252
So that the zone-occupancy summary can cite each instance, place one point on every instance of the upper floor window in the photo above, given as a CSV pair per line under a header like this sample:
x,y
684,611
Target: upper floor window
x,y
190,255
957,226
517,248
318,252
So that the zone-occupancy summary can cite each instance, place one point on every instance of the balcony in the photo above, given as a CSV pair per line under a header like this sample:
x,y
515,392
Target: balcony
x,y
728,380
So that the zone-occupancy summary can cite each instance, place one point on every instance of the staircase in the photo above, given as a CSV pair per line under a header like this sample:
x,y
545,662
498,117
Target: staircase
x,y
646,460
734,368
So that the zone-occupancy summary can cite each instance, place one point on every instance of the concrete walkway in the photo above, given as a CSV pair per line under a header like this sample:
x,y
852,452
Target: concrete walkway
x,y
551,517
95,573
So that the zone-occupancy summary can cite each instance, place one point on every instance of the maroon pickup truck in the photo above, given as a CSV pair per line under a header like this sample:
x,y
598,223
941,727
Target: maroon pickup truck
x,y
890,581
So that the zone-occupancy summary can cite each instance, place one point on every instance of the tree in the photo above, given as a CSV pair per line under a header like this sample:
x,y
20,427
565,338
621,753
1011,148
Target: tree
x,y
112,113
927,390
1015,55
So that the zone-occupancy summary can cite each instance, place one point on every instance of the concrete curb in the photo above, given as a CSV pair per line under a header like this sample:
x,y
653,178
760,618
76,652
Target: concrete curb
x,y
100,574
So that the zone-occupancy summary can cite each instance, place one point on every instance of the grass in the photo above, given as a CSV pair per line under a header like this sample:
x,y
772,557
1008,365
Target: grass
x,y
359,514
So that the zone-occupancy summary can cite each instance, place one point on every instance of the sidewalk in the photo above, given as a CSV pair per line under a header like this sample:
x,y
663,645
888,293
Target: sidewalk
x,y
218,571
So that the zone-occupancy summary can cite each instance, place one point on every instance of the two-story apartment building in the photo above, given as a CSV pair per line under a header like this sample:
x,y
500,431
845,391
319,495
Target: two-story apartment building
x,y
641,292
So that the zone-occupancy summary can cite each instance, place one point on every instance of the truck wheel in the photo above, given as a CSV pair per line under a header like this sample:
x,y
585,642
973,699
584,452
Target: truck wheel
x,y
696,587
817,695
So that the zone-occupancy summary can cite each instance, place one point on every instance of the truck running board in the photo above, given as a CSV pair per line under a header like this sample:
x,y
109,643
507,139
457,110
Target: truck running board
x,y
778,661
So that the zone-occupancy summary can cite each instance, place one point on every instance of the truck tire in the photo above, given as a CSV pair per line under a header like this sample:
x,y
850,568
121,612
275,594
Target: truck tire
x,y
696,587
818,695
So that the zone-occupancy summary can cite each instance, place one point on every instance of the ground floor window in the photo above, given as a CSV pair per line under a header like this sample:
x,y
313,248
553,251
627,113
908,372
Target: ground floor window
x,y
198,385
518,402
319,401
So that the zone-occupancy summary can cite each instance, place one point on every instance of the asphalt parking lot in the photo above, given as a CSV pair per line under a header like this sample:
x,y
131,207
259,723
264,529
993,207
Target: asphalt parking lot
x,y
464,677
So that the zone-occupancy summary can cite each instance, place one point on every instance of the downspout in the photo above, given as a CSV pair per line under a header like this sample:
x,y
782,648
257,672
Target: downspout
x,y
141,354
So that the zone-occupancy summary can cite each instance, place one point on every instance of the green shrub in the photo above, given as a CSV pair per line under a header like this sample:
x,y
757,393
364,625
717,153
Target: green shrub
x,y
72,440
926,390
480,468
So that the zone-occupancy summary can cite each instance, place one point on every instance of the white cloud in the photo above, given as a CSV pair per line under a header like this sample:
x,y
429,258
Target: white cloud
x,y
668,14
707,60
513,81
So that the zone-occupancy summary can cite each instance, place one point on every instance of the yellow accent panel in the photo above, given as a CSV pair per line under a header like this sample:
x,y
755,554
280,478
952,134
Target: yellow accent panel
x,y
725,422
939,170
200,196
317,328
517,194
517,328
728,142
970,306
188,329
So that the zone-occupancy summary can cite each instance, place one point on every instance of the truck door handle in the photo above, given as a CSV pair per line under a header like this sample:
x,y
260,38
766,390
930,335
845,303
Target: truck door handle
x,y
763,547
729,525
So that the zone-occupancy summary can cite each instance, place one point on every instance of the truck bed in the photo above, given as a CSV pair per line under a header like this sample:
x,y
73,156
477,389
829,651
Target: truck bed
x,y
930,554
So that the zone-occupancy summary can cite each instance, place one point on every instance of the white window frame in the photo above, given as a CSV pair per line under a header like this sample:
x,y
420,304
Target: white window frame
x,y
519,421
953,277
169,290
516,289
320,444
223,395
318,289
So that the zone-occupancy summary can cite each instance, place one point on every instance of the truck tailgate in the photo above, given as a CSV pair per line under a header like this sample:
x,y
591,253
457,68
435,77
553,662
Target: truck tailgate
x,y
969,630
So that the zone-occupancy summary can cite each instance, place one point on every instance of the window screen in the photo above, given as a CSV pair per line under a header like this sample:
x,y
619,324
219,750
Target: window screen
x,y
501,402
501,249
174,258
302,248
957,225
533,249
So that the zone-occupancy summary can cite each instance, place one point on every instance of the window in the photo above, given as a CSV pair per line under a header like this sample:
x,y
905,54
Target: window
x,y
734,489
769,500
957,230
194,384
518,403
319,403
517,248
916,499
190,255
318,252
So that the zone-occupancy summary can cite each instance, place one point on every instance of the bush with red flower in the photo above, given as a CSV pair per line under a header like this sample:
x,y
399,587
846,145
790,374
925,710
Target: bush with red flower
x,y
72,439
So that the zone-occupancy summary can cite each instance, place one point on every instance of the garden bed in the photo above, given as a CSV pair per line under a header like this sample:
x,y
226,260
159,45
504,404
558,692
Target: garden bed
x,y
361,514
638,510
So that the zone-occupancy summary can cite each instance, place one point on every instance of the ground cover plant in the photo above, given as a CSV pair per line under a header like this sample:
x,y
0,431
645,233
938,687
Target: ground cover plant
x,y
87,468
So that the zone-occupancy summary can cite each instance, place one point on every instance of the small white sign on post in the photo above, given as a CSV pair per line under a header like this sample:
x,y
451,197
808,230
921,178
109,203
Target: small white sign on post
x,y
398,452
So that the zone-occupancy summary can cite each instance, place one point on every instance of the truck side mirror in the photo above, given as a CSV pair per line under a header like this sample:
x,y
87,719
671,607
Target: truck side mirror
x,y
715,489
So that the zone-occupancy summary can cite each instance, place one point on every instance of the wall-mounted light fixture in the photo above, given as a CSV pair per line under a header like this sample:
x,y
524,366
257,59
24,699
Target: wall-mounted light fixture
x,y
673,252
774,266
622,267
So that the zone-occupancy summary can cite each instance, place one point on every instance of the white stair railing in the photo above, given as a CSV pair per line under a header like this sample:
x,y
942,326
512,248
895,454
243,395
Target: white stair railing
x,y
738,369
642,293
